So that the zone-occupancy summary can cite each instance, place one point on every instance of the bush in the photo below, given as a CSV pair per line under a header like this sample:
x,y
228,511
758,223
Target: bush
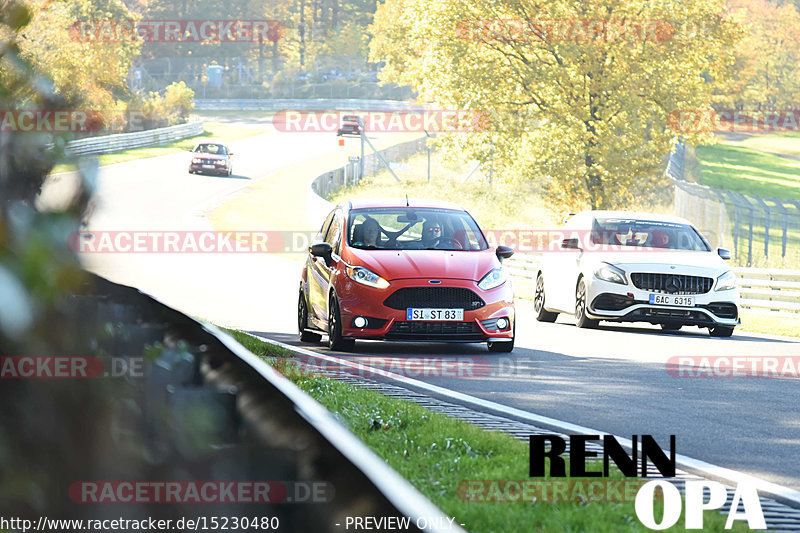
x,y
178,102
154,112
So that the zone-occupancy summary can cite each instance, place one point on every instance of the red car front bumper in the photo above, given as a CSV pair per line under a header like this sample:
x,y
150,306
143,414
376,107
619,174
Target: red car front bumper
x,y
389,322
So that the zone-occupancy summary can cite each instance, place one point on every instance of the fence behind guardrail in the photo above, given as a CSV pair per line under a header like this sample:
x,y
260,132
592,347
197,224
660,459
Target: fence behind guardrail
x,y
755,228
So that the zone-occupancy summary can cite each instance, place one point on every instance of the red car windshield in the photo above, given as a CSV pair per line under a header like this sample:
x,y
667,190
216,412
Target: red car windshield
x,y
414,228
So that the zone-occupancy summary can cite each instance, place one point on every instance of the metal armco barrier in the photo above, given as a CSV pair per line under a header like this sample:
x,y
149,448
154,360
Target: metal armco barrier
x,y
107,144
333,180
772,291
199,409
311,104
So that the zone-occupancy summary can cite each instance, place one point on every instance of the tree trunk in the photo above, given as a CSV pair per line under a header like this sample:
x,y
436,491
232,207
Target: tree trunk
x,y
302,29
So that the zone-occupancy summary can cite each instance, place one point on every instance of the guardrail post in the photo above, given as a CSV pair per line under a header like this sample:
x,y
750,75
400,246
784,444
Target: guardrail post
x,y
723,216
766,209
735,226
750,230
784,224
796,216
740,200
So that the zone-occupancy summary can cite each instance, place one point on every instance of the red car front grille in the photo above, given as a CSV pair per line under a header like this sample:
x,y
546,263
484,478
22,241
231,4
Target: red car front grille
x,y
437,297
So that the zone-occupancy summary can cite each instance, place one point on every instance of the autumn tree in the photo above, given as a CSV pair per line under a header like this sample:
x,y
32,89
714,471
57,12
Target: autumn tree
x,y
323,27
92,74
578,93
767,70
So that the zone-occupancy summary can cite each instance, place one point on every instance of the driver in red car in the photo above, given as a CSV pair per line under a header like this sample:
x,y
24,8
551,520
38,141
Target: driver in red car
x,y
372,232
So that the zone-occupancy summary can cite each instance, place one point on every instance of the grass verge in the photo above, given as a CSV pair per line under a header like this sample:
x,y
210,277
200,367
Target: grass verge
x,y
436,453
496,205
279,202
764,165
753,166
758,323
214,130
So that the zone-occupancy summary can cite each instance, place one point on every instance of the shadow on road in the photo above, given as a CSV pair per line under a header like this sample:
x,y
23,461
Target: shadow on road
x,y
694,332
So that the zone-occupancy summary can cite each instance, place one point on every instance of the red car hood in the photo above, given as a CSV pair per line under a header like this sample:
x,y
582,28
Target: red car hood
x,y
427,264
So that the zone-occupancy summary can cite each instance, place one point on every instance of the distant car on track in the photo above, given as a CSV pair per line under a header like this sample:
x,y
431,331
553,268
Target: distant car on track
x,y
636,267
394,270
211,158
349,126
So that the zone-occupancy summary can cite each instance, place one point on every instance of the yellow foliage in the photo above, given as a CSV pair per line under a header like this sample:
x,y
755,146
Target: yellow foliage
x,y
578,100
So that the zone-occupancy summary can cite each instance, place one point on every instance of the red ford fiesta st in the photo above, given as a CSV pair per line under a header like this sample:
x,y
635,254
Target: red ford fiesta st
x,y
405,271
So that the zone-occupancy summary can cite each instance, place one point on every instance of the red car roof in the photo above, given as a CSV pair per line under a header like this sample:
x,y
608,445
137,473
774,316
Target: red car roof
x,y
401,202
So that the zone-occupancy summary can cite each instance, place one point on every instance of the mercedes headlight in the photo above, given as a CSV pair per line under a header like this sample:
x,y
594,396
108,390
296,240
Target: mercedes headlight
x,y
494,278
197,160
727,281
608,272
366,277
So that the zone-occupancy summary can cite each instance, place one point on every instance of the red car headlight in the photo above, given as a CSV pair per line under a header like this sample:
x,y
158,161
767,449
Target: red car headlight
x,y
494,278
366,277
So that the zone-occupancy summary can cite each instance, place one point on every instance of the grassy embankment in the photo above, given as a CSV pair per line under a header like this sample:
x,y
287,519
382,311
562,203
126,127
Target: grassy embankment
x,y
436,453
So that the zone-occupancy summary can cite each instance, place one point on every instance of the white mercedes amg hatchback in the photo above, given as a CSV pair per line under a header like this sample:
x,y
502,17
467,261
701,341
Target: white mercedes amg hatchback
x,y
635,267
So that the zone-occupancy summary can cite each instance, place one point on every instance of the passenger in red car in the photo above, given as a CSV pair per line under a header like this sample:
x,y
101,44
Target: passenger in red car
x,y
431,234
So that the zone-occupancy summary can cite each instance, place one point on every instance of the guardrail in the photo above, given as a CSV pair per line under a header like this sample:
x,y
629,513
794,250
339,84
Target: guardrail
x,y
328,182
763,291
177,402
314,104
772,291
107,144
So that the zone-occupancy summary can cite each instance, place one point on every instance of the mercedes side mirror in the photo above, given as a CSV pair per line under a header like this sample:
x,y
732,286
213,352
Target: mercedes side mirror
x,y
724,253
570,244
